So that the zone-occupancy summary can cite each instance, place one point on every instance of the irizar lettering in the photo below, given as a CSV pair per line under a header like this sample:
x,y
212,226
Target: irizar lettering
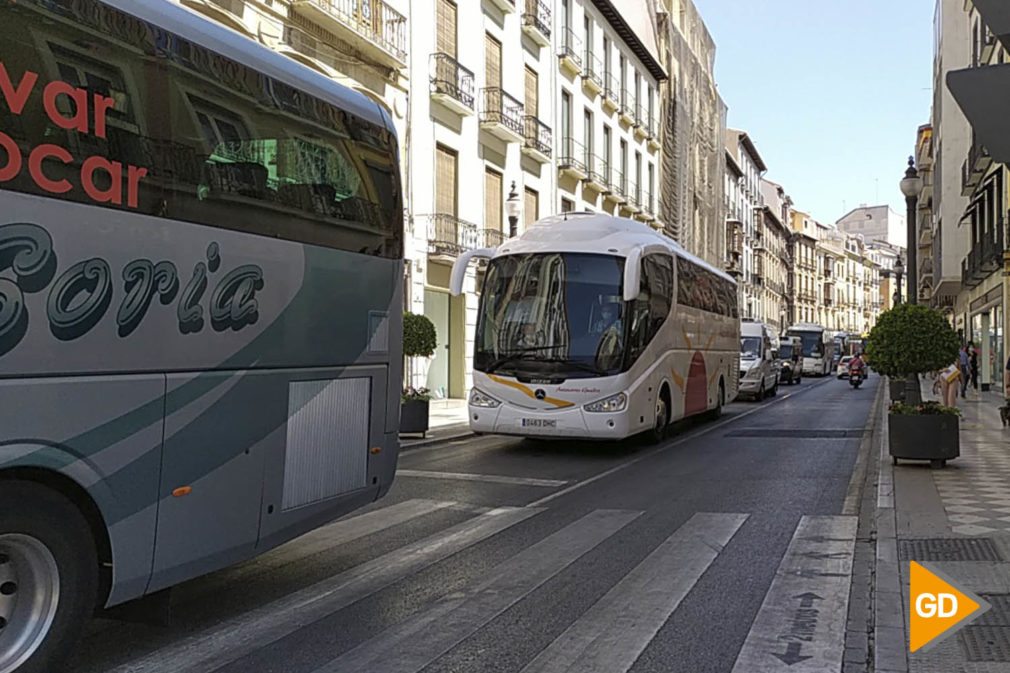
x,y
88,116
81,295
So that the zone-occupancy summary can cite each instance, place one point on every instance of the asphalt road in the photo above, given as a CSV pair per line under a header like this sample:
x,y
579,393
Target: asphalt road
x,y
497,554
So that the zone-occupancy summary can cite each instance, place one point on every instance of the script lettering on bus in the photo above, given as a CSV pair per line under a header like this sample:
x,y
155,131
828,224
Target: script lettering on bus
x,y
80,297
88,117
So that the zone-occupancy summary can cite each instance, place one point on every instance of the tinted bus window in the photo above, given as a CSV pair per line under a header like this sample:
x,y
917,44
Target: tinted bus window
x,y
101,108
699,288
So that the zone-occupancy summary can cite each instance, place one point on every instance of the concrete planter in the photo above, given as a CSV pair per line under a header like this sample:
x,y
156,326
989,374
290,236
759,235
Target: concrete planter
x,y
897,389
928,437
414,417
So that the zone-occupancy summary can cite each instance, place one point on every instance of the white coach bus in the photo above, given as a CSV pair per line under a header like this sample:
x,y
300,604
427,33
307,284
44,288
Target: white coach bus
x,y
592,326
818,348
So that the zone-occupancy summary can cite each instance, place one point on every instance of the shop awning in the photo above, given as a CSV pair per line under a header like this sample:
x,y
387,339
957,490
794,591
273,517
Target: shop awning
x,y
984,96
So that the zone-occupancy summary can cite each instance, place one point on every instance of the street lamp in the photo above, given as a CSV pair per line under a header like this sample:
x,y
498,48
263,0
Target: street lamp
x,y
911,187
513,208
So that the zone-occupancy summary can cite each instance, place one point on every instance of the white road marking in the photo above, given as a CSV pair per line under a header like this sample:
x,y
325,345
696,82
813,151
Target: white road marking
x,y
612,634
694,435
220,645
411,646
801,624
490,478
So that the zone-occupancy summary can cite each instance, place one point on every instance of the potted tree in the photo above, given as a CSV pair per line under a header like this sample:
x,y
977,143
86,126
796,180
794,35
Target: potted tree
x,y
907,341
419,340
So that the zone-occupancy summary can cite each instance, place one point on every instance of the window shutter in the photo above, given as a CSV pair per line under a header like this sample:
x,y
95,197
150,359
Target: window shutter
x,y
445,181
445,30
493,200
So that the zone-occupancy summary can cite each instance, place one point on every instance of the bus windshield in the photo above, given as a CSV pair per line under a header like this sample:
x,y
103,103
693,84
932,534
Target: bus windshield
x,y
812,347
552,314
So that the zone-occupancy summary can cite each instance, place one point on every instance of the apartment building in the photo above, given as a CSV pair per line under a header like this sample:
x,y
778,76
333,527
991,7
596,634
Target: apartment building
x,y
924,212
805,280
772,257
875,224
733,206
742,150
691,206
980,306
608,108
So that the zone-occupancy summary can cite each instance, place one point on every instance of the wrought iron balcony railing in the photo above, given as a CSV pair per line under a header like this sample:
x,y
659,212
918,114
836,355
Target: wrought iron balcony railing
x,y
570,47
449,235
612,88
500,108
538,16
626,104
537,135
592,70
452,79
596,171
374,19
492,238
573,156
640,118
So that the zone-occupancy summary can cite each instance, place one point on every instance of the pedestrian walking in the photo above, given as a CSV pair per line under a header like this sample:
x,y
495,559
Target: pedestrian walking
x,y
964,364
973,364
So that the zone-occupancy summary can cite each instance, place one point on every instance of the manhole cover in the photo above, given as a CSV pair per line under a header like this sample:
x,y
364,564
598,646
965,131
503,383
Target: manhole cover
x,y
948,549
999,615
784,433
986,643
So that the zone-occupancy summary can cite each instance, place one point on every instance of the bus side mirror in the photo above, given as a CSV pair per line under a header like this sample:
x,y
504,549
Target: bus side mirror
x,y
632,274
459,268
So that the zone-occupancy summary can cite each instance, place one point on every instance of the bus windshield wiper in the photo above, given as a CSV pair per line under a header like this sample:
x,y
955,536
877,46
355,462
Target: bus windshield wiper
x,y
516,355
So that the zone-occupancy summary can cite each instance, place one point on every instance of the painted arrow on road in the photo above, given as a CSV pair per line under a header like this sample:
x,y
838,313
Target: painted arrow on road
x,y
792,654
807,599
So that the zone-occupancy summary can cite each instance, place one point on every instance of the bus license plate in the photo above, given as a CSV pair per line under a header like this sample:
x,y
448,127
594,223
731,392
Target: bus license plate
x,y
540,423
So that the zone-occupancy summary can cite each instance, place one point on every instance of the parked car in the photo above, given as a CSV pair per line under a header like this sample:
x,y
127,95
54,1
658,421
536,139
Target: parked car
x,y
843,366
759,360
791,357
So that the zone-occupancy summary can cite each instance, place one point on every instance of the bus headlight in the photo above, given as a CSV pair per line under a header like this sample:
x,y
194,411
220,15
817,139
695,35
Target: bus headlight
x,y
479,399
617,402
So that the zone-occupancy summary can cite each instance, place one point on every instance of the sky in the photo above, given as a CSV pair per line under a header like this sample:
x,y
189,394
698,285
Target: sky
x,y
831,93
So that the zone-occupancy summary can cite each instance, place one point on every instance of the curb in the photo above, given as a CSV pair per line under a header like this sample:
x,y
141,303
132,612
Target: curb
x,y
433,441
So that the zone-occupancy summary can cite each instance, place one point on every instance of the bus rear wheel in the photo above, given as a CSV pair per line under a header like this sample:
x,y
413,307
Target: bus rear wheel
x,y
48,577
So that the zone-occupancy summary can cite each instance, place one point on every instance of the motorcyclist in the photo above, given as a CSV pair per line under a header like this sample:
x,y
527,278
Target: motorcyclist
x,y
857,365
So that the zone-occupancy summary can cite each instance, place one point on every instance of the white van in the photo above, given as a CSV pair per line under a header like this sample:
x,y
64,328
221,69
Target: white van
x,y
759,362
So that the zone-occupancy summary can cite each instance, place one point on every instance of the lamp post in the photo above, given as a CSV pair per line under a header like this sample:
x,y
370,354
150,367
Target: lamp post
x,y
911,187
513,208
899,269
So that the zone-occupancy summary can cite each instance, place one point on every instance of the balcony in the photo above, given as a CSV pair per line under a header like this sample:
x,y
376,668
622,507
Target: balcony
x,y
491,238
617,188
969,179
611,93
449,236
652,133
501,115
648,208
537,139
596,174
452,84
537,22
506,6
633,198
641,130
370,26
626,109
572,159
570,51
592,74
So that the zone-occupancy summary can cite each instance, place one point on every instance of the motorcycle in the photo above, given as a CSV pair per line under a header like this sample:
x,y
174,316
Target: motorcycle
x,y
856,377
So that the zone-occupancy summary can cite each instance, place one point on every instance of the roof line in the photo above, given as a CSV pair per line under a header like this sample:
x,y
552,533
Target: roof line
x,y
610,13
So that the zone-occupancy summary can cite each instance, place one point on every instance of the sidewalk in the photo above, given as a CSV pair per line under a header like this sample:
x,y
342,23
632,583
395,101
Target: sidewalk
x,y
958,520
446,421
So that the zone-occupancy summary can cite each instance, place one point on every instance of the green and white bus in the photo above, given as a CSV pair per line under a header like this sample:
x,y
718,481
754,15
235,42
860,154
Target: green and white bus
x,y
201,291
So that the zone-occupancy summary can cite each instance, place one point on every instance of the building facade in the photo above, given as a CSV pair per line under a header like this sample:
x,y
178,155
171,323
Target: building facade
x,y
691,205
875,224
743,152
772,257
804,278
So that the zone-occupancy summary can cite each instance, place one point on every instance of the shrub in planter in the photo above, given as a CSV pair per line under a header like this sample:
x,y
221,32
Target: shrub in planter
x,y
414,410
909,340
419,341
926,431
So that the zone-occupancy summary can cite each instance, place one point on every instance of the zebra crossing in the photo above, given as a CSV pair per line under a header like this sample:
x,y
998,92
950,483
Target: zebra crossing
x,y
608,637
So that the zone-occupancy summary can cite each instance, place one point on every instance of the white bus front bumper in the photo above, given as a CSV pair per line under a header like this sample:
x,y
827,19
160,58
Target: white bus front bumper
x,y
572,423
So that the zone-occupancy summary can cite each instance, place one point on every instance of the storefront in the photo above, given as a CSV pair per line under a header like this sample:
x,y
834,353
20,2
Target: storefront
x,y
986,331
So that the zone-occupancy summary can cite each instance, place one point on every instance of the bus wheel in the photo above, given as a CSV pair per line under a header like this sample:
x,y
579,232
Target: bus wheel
x,y
48,577
662,420
720,401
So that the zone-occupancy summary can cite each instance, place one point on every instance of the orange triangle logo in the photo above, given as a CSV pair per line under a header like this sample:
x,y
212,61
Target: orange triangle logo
x,y
937,608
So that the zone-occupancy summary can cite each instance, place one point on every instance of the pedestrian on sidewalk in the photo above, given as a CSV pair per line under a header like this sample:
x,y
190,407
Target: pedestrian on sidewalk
x,y
964,363
973,363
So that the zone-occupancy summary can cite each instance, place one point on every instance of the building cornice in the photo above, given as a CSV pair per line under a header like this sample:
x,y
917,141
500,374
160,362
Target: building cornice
x,y
614,17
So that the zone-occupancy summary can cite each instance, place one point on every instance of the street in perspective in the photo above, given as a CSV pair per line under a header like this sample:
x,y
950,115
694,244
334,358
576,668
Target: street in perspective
x,y
517,336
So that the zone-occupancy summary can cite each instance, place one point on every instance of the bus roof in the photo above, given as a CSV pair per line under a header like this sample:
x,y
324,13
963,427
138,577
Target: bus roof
x,y
805,327
595,233
227,42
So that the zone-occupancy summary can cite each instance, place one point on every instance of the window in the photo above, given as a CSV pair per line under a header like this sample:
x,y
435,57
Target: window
x,y
196,141
652,186
445,32
588,25
445,181
567,205
607,152
652,306
606,60
624,167
531,206
492,62
494,200
638,177
699,288
638,89
532,99
624,81
566,19
566,122
650,113
587,134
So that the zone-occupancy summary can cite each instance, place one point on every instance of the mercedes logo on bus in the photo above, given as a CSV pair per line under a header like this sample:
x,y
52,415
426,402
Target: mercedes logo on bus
x,y
540,394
